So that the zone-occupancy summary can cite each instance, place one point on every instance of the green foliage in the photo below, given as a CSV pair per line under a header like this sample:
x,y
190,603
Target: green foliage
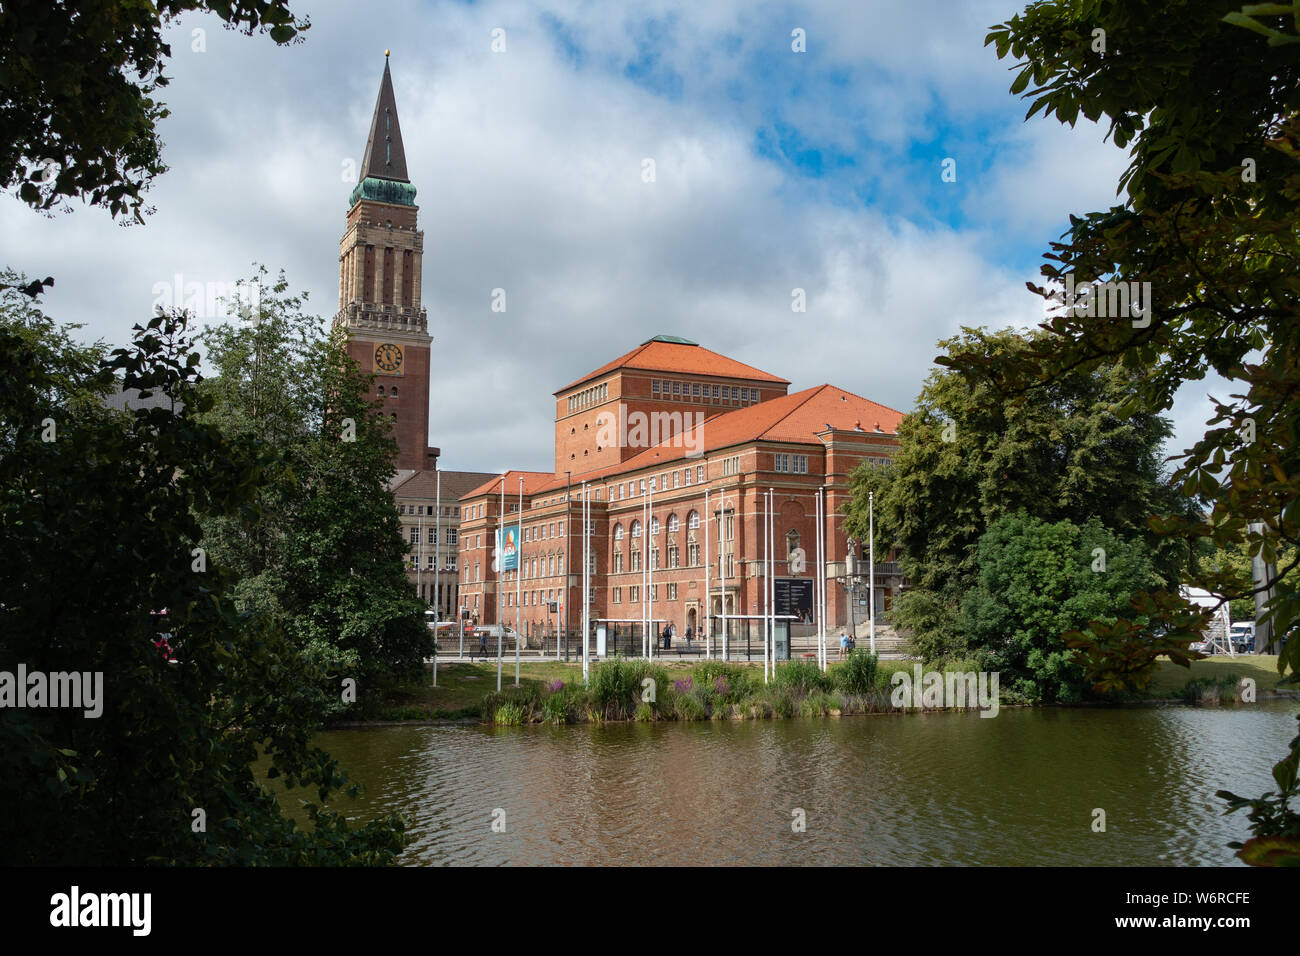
x,y
1210,113
968,455
508,714
284,385
802,677
81,82
98,527
857,675
616,687
1037,581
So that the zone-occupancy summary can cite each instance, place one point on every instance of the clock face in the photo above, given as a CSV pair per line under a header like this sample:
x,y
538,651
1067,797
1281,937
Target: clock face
x,y
388,358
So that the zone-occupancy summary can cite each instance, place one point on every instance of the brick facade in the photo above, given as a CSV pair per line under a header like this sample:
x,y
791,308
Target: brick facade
x,y
763,439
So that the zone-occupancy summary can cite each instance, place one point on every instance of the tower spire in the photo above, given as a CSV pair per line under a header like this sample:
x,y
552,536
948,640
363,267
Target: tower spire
x,y
384,157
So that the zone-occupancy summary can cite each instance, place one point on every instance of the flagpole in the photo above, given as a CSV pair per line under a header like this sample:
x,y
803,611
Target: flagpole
x,y
519,584
771,577
649,566
722,572
437,545
586,592
708,600
871,565
501,573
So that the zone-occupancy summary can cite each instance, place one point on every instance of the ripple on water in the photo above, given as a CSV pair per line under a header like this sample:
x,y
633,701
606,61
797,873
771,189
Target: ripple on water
x,y
929,789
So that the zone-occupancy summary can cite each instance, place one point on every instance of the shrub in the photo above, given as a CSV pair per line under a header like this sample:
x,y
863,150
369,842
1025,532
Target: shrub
x,y
689,707
802,678
644,712
616,686
555,709
508,715
857,675
819,704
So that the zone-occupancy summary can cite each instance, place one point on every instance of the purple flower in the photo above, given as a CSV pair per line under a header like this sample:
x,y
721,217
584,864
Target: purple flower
x,y
722,686
556,686
682,686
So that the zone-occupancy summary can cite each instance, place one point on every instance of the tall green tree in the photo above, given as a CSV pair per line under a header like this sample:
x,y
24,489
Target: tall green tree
x,y
1205,97
1038,580
320,551
969,455
98,532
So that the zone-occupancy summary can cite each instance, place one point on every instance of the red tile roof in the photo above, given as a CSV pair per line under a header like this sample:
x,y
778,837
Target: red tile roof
x,y
534,481
796,418
681,359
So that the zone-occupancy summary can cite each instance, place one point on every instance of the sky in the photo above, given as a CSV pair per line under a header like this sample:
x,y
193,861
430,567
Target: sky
x,y
774,170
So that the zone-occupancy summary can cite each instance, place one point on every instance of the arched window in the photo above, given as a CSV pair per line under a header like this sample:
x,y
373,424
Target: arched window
x,y
636,529
618,532
381,391
693,519
654,526
673,523
392,391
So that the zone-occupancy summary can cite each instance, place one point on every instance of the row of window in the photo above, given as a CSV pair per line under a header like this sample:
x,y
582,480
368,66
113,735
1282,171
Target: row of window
x,y
448,511
413,562
392,391
703,392
792,464
588,396
634,594
432,536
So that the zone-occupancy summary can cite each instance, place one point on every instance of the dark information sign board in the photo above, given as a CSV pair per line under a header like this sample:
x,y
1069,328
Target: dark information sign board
x,y
794,596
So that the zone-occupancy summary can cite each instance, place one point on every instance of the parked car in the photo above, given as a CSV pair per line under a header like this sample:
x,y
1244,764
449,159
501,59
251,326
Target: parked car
x,y
1243,637
1201,647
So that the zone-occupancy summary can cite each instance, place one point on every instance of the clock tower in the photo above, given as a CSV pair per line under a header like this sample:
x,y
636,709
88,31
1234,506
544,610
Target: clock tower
x,y
380,256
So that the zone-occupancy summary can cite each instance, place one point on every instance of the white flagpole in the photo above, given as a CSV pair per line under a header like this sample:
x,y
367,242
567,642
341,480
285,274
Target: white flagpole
x,y
586,605
722,573
771,576
501,573
708,600
765,572
437,545
818,592
649,567
519,584
871,565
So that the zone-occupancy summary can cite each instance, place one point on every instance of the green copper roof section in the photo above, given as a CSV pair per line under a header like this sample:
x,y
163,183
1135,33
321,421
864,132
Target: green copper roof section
x,y
383,190
673,339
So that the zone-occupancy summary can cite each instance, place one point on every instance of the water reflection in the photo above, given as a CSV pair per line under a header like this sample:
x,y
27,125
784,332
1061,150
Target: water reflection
x,y
898,790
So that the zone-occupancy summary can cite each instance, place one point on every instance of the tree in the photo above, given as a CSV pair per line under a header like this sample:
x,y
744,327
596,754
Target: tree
x,y
1038,580
968,455
80,79
1210,114
321,550
98,532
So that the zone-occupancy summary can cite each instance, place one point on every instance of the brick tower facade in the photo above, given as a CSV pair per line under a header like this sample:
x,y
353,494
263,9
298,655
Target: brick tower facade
x,y
380,258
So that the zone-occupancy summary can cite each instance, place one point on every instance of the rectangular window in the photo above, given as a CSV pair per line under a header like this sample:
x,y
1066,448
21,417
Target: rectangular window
x,y
715,391
408,279
618,595
686,477
699,473
677,388
677,478
695,389
654,387
672,592
801,464
368,276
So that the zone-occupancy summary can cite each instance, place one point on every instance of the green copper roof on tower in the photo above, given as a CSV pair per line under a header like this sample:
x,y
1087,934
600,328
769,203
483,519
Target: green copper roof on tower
x,y
673,339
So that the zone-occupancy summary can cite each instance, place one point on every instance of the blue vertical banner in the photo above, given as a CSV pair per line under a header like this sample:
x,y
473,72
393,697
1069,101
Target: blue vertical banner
x,y
509,552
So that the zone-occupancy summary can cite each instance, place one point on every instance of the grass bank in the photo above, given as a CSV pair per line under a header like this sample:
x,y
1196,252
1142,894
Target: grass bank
x,y
552,691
